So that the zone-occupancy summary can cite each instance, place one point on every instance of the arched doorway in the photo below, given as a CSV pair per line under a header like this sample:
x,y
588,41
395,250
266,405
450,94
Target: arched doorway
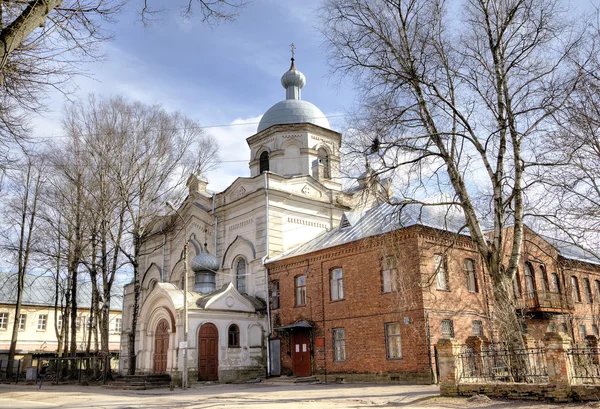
x,y
161,346
208,353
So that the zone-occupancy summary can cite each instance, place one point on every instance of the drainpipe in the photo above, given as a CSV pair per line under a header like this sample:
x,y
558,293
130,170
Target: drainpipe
x,y
216,223
267,274
164,249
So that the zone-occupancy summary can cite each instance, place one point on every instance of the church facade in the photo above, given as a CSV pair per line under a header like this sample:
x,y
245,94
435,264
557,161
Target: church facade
x,y
292,195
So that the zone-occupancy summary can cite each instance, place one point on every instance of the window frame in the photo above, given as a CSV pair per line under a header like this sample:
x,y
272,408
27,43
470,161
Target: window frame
x,y
544,278
22,322
118,325
4,320
275,300
389,274
471,275
587,288
42,322
582,331
300,291
530,284
233,336
339,344
336,284
241,282
575,289
393,339
556,283
479,326
449,323
264,162
441,270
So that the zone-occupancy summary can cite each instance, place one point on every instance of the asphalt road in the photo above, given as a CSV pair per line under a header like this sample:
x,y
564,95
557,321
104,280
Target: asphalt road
x,y
265,395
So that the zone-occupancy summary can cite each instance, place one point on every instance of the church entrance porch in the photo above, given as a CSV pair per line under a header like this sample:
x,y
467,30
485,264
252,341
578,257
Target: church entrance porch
x,y
300,352
208,353
161,347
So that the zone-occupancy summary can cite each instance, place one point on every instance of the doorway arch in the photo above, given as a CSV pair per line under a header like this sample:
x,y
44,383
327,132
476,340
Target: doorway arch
x,y
208,353
161,346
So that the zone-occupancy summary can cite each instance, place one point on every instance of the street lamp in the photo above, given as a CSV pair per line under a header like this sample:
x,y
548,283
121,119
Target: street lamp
x,y
184,378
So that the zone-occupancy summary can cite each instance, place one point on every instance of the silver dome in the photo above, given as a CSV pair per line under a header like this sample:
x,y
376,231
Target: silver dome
x,y
205,261
293,110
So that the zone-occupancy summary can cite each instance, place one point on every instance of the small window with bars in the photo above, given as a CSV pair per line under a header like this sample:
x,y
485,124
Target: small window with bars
x,y
477,328
447,329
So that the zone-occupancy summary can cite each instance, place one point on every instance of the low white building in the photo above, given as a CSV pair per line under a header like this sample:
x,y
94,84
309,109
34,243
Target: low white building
x,y
292,195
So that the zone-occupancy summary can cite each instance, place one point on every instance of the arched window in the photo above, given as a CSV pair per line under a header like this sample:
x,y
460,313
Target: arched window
x,y
323,159
264,162
544,277
240,276
530,280
469,265
555,283
575,288
233,336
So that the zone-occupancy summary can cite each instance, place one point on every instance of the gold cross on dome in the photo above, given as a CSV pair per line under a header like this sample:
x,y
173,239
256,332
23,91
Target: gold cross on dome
x,y
293,47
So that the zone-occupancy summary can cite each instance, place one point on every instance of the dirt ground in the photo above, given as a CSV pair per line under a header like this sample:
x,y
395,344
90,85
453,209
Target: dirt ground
x,y
264,395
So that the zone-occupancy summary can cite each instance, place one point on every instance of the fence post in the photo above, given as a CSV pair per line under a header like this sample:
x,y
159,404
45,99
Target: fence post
x,y
448,350
559,371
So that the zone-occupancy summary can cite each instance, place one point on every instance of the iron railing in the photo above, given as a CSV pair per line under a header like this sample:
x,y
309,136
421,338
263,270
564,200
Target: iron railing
x,y
532,300
585,364
80,369
499,363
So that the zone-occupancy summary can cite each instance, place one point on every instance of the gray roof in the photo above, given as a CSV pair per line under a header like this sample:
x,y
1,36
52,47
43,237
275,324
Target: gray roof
x,y
383,218
40,291
571,251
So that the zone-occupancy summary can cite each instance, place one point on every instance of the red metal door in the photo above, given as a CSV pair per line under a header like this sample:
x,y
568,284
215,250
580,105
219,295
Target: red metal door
x,y
161,347
300,353
208,353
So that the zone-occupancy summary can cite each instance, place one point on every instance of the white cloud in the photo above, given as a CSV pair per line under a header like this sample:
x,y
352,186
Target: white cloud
x,y
234,152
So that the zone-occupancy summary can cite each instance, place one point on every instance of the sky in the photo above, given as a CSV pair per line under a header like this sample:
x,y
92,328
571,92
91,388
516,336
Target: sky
x,y
224,76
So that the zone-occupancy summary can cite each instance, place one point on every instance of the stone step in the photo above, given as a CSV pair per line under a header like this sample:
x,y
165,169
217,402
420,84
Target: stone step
x,y
140,382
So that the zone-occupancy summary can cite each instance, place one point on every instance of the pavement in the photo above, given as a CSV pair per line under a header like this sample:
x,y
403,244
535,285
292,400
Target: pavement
x,y
263,395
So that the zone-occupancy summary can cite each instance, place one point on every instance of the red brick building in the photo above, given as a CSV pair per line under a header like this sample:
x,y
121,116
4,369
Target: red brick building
x,y
369,299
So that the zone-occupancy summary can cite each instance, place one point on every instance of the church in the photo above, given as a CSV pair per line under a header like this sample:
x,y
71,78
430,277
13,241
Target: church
x,y
293,194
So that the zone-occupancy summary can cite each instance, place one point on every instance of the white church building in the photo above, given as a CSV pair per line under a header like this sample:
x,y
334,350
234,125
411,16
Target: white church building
x,y
293,194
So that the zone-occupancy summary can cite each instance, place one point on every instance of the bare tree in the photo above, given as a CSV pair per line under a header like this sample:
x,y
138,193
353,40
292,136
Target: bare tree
x,y
454,102
25,189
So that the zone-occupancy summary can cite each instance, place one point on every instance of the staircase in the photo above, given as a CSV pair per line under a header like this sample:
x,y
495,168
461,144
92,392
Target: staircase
x,y
140,382
293,379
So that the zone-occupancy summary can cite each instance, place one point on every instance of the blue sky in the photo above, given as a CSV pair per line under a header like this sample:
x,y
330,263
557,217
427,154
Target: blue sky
x,y
221,75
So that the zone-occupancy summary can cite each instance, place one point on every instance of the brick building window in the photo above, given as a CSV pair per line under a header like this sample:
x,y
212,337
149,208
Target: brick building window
x,y
42,320
3,320
389,275
595,329
562,328
337,284
544,278
529,280
555,283
22,322
240,276
275,294
551,327
233,336
118,325
582,331
588,290
447,329
469,265
441,274
597,288
393,342
339,344
575,288
477,328
300,284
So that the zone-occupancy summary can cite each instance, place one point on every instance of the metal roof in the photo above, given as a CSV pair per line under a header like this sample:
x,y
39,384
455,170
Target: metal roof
x,y
571,251
381,219
40,291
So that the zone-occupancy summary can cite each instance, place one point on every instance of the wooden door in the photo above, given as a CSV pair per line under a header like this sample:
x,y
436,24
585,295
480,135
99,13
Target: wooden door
x,y
300,353
161,347
208,353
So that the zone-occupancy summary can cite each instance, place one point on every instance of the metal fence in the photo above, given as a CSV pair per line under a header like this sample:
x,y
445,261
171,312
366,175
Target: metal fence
x,y
499,363
19,369
90,369
585,364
